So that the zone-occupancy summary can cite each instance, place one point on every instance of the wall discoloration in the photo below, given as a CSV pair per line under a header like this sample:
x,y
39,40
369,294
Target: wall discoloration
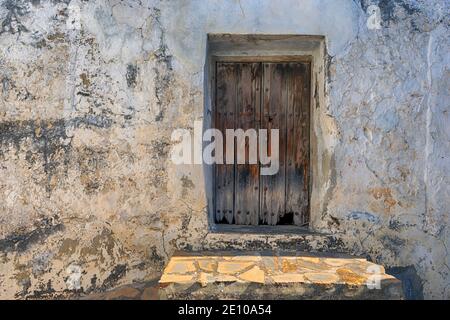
x,y
20,242
412,284
90,94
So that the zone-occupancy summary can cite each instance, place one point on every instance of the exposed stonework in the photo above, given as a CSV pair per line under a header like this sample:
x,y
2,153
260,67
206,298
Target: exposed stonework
x,y
269,275
91,91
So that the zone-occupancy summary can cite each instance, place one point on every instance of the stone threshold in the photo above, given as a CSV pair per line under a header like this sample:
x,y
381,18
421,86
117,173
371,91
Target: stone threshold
x,y
263,230
270,275
257,241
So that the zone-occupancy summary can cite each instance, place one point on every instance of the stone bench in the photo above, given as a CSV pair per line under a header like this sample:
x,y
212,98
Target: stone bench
x,y
270,275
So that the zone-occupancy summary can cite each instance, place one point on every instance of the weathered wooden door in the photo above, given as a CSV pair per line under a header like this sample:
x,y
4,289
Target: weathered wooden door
x,y
264,95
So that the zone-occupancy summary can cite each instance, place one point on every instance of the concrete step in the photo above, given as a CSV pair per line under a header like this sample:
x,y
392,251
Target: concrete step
x,y
270,275
286,238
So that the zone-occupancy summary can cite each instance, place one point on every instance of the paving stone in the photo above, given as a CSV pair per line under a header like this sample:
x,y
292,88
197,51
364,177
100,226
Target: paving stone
x,y
363,268
174,278
314,260
208,265
321,277
351,277
180,267
255,274
254,258
275,276
337,262
225,278
288,278
228,267
308,264
205,278
289,265
295,276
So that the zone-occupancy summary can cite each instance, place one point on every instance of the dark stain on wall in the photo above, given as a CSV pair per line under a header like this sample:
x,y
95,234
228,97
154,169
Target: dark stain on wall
x,y
332,186
116,274
16,9
93,283
388,7
160,149
156,259
45,291
12,21
187,185
46,133
91,162
91,121
393,243
364,217
131,75
48,141
20,242
163,70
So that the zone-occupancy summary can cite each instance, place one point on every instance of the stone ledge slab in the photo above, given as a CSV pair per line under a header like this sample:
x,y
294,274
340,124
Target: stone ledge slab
x,y
274,275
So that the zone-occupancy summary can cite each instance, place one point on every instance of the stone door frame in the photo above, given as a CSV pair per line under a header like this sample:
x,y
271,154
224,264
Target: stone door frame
x,y
289,48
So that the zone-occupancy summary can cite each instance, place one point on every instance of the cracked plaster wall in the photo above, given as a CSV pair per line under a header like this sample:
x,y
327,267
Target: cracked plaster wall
x,y
91,91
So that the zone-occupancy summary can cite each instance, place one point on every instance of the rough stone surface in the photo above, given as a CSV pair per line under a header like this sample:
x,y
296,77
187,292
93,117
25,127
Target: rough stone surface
x,y
147,290
257,275
90,92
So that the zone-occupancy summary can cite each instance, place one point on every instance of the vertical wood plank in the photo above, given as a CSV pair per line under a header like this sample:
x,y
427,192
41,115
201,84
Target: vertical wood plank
x,y
297,170
225,119
305,137
247,117
274,117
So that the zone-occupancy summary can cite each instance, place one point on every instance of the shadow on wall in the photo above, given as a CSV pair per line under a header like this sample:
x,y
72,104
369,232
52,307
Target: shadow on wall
x,y
411,282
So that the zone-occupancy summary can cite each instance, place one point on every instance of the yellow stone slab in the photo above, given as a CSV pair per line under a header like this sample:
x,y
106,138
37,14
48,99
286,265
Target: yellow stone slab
x,y
288,278
336,262
229,267
255,274
254,258
208,265
225,278
321,277
205,278
264,269
350,277
180,267
176,278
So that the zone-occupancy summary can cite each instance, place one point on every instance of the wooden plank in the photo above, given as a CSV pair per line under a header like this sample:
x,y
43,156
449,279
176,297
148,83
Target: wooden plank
x,y
225,119
305,137
248,113
274,117
270,95
297,169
